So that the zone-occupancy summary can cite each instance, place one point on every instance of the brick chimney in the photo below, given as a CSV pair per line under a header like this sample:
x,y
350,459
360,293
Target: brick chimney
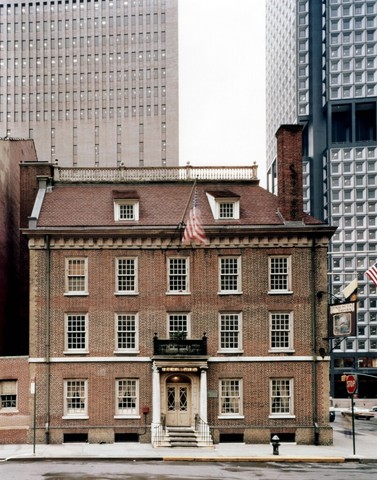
x,y
289,168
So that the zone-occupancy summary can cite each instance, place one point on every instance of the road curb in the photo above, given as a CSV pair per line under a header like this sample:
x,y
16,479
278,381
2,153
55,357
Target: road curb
x,y
264,459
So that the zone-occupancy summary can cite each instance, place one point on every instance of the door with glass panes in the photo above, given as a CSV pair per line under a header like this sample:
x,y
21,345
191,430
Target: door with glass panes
x,y
178,404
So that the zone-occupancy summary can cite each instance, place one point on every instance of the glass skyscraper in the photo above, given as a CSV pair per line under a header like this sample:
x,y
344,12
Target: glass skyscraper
x,y
322,72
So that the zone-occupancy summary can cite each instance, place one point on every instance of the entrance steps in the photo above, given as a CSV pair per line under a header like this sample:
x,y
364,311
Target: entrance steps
x,y
184,437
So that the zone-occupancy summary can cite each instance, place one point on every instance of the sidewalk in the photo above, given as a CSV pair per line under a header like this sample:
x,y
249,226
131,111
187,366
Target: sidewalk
x,y
341,451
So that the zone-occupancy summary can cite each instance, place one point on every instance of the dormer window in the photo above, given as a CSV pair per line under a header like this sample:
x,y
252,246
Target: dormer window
x,y
225,205
126,206
227,209
126,210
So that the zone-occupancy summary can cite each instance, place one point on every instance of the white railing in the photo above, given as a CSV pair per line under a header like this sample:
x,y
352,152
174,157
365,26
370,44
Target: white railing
x,y
153,174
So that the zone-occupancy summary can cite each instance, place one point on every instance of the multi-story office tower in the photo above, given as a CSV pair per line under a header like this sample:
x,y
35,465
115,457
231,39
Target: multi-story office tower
x,y
93,82
322,72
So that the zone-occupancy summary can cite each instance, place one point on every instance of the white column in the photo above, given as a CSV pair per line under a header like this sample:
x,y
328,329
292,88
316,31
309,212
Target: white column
x,y
156,402
203,395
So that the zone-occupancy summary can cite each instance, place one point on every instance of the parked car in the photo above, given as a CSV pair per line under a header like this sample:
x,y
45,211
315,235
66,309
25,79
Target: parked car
x,y
359,413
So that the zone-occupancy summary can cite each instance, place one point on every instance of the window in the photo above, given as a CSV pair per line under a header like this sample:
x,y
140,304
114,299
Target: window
x,y
8,395
225,205
76,328
76,276
341,123
230,275
178,275
281,396
178,325
228,209
230,397
280,275
126,210
126,275
127,332
76,394
281,337
127,400
230,332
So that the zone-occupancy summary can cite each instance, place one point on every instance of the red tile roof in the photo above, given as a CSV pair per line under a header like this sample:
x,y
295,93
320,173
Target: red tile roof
x,y
159,204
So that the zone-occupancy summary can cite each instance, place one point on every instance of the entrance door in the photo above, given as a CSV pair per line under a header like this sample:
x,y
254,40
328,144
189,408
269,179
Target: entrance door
x,y
178,408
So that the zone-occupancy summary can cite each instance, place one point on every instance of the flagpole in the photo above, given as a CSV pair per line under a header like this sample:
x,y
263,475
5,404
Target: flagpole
x,y
188,203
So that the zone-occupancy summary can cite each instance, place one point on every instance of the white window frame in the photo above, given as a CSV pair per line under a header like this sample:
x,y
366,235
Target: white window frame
x,y
238,290
284,332
127,412
226,401
188,323
216,202
118,204
283,411
67,349
135,332
8,388
185,275
287,275
79,413
68,261
229,201
135,291
223,332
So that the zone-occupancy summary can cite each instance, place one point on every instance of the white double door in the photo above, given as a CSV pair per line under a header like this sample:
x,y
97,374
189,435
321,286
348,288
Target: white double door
x,y
178,404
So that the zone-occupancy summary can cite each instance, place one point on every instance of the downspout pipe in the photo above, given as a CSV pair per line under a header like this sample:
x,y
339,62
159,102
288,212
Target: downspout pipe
x,y
314,342
47,338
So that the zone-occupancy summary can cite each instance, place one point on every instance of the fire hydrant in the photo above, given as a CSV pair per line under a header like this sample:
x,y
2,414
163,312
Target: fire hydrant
x,y
275,445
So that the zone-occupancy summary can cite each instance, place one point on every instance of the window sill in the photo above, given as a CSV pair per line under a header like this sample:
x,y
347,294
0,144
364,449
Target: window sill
x,y
75,417
278,350
126,352
282,416
230,351
75,352
76,294
280,292
230,293
178,293
125,294
231,417
119,417
4,411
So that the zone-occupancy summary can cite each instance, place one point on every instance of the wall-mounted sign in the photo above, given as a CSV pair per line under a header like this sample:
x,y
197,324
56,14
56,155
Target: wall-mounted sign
x,y
342,319
179,369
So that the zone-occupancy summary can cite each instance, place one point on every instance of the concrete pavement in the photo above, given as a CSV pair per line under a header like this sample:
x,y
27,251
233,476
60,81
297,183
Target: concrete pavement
x,y
341,451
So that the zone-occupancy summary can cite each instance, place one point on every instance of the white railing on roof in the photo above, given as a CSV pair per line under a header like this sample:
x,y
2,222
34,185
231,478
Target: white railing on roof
x,y
152,174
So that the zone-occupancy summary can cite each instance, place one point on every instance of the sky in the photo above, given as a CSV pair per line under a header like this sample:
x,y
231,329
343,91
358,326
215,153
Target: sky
x,y
222,83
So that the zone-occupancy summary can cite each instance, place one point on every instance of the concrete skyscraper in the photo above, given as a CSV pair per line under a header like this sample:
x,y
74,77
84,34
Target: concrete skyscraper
x,y
93,82
322,72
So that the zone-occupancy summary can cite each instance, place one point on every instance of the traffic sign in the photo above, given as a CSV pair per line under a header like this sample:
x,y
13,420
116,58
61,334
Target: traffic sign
x,y
351,384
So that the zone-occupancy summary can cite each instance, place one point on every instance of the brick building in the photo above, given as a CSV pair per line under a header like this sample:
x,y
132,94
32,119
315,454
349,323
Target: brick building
x,y
134,333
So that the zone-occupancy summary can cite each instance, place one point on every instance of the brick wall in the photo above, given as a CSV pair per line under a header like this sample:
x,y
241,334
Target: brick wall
x,y
204,304
14,426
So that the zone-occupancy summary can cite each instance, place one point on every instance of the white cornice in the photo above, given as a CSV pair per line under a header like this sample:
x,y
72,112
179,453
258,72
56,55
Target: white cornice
x,y
290,358
65,241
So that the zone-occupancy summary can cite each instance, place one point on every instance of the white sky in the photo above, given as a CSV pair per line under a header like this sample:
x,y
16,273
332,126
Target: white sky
x,y
222,82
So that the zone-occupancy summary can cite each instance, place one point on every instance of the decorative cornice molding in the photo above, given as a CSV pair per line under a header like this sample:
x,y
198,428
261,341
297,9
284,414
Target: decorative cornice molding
x,y
66,242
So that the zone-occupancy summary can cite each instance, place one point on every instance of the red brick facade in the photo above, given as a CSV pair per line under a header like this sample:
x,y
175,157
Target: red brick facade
x,y
248,362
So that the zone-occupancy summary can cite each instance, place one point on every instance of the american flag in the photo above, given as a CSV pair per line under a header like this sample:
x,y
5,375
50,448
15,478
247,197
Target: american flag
x,y
372,273
194,231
